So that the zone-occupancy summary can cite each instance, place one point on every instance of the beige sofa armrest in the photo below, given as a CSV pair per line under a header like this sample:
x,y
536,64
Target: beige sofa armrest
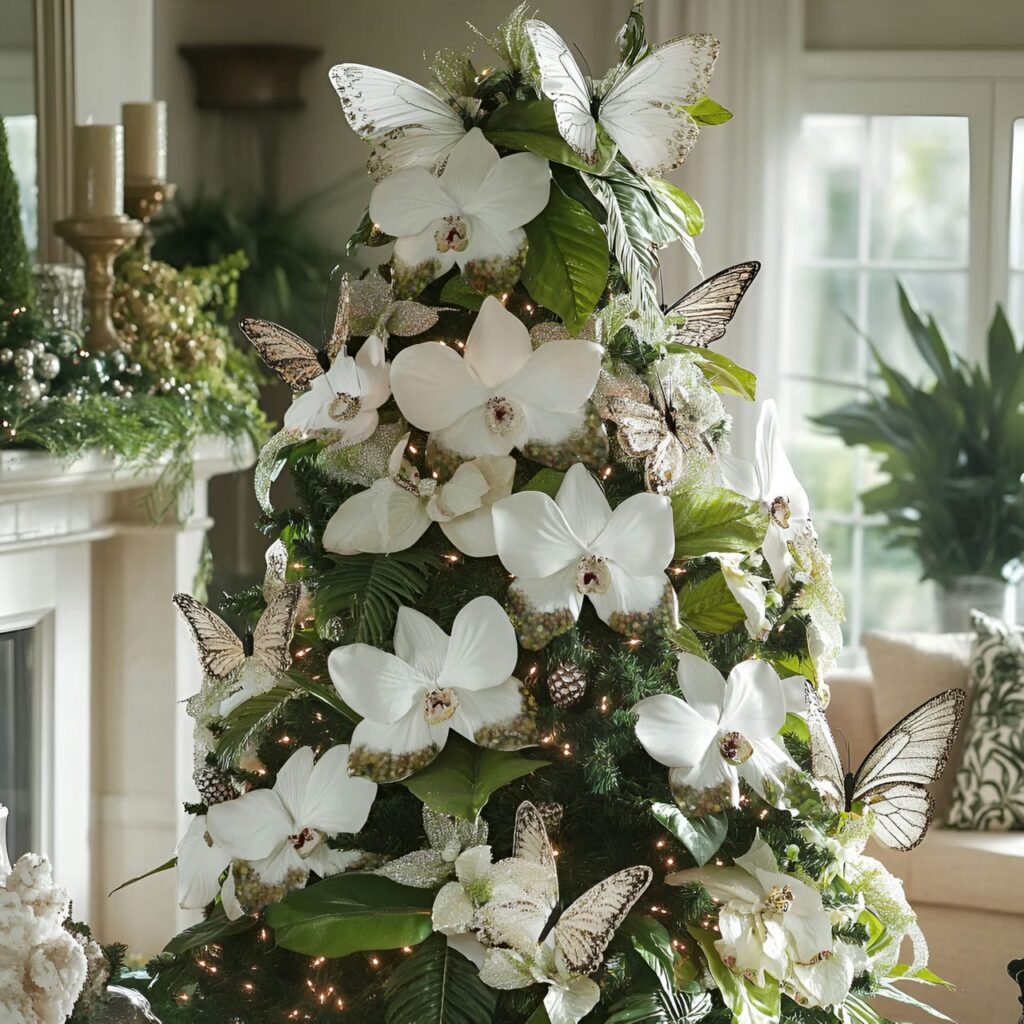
x,y
851,712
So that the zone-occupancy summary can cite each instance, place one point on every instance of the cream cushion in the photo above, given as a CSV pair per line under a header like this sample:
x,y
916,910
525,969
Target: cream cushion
x,y
910,668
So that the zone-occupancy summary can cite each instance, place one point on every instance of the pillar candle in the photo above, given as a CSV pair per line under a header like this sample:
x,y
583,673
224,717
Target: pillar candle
x,y
98,171
145,142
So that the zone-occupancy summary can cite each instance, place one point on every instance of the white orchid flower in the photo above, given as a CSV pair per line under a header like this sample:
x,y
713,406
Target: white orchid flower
x,y
396,511
344,399
281,832
573,546
502,394
201,862
768,920
722,732
771,481
471,214
749,591
411,700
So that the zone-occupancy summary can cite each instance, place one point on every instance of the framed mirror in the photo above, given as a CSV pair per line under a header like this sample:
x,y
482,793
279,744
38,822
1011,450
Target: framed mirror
x,y
37,107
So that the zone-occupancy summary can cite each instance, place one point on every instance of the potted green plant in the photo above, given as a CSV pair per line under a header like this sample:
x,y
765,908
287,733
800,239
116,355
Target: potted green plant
x,y
953,451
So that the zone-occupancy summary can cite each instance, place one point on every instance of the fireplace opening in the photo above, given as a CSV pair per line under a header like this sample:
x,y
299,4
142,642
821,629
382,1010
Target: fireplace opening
x,y
18,780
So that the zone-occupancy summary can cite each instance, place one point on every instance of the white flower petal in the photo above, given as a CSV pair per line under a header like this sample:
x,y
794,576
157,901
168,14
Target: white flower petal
x,y
251,827
544,427
730,885
711,773
776,474
749,592
405,202
505,969
702,685
581,500
392,751
461,495
473,864
491,709
327,862
420,642
374,373
515,191
776,552
483,650
335,801
229,899
630,596
740,476
343,377
434,386
384,519
471,948
487,244
554,593
473,533
200,865
453,910
533,537
569,1002
292,782
305,409
469,166
471,435
826,983
754,703
283,865
375,684
639,536
498,345
559,376
672,732
410,251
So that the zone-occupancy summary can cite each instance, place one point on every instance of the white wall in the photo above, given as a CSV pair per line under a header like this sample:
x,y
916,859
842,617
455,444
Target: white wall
x,y
114,50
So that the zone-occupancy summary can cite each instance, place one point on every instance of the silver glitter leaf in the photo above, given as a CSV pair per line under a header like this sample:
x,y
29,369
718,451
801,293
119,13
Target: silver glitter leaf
x,y
448,837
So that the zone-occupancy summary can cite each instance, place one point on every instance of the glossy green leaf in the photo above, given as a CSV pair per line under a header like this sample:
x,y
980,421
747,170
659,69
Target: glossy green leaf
x,y
166,866
652,941
213,929
530,125
708,606
715,519
680,206
546,480
707,111
725,376
437,985
684,639
457,291
703,837
463,776
351,913
539,1016
661,1007
567,262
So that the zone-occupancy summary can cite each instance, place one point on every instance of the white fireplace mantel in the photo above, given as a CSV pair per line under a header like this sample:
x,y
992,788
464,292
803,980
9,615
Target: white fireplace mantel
x,y
81,559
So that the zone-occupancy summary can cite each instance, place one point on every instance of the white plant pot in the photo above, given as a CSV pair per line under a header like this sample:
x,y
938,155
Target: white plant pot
x,y
994,597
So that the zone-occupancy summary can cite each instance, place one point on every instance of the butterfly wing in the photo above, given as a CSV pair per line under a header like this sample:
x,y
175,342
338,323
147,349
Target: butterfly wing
x,y
530,839
273,633
641,427
583,932
826,765
408,125
903,812
710,306
275,577
563,83
220,651
292,359
644,111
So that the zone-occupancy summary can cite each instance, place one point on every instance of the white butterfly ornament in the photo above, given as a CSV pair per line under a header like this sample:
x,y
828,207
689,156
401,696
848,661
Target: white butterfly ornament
x,y
642,107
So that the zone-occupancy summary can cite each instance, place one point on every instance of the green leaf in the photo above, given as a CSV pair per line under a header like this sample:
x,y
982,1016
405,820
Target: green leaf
x,y
750,1004
530,125
680,206
567,262
707,111
166,866
457,291
703,837
572,184
652,941
632,37
547,481
328,695
921,974
213,929
661,1008
351,913
715,519
708,606
684,639
539,1016
725,376
250,721
463,776
888,990
436,985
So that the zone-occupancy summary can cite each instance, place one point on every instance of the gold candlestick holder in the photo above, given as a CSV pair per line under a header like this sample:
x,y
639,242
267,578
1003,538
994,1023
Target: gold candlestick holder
x,y
143,200
98,241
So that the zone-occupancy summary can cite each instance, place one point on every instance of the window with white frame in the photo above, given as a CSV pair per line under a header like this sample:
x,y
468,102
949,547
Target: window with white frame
x,y
910,167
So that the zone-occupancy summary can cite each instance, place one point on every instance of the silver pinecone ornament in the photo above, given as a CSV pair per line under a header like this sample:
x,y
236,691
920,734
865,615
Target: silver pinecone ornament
x,y
567,683
214,786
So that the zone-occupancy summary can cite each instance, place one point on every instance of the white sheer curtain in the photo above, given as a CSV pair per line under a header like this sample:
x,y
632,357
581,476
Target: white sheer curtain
x,y
738,172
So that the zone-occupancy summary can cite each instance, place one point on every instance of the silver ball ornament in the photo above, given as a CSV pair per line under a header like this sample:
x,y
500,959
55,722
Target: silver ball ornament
x,y
44,388
47,366
28,391
6,355
37,348
24,360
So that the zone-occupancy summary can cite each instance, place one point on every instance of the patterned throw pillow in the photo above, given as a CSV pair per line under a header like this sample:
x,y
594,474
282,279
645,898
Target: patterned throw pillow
x,y
989,791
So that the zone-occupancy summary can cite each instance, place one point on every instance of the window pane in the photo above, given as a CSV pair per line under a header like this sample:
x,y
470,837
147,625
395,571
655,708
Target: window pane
x,y
894,596
920,188
1016,308
1017,198
824,343
21,136
829,197
17,683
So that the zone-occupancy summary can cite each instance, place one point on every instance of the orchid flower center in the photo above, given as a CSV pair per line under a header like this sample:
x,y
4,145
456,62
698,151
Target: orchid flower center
x,y
736,748
453,234
305,841
439,706
343,407
780,511
503,415
779,899
593,575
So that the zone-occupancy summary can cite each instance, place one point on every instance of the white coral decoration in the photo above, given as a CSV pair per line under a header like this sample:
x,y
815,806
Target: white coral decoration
x,y
472,214
42,968
501,394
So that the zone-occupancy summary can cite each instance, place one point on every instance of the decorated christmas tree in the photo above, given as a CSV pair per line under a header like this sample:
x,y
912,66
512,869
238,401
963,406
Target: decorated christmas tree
x,y
526,723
